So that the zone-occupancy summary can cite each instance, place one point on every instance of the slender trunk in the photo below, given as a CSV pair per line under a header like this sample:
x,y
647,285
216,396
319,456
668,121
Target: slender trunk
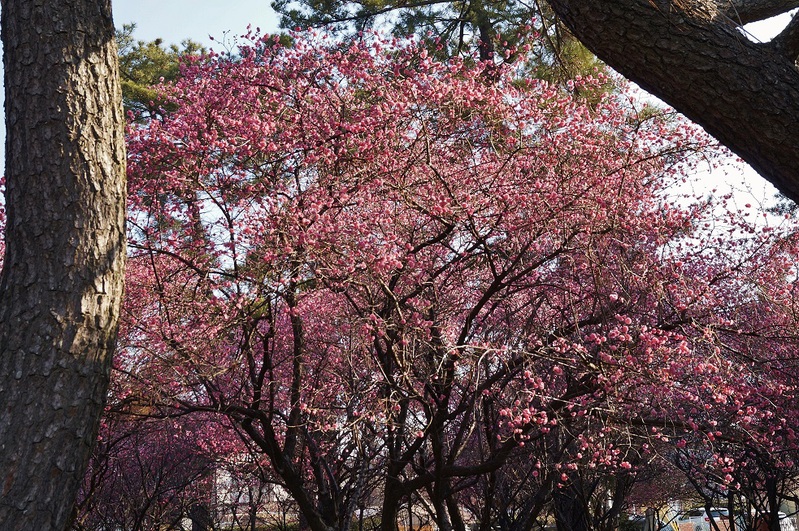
x,y
61,284
253,523
711,521
535,505
442,518
773,504
570,513
391,502
610,518
454,511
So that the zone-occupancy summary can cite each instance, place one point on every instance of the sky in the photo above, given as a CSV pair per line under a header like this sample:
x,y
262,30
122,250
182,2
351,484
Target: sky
x,y
175,20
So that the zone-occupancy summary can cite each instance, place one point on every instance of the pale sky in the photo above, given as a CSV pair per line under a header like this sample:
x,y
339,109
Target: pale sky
x,y
175,20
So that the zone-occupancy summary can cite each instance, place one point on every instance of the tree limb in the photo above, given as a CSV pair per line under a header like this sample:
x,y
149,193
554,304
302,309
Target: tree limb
x,y
786,43
746,11
745,94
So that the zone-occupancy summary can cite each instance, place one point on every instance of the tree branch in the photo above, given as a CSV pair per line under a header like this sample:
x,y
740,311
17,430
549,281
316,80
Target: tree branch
x,y
743,93
746,11
786,43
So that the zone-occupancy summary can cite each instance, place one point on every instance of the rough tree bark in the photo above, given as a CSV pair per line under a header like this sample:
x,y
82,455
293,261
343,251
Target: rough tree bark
x,y
61,284
693,55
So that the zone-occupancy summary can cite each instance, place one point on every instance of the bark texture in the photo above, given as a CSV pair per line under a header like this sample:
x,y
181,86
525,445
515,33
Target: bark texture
x,y
693,55
61,284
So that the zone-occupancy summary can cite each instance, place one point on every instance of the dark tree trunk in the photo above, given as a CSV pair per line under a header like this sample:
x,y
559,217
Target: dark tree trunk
x,y
571,514
773,504
200,518
61,284
692,54
391,501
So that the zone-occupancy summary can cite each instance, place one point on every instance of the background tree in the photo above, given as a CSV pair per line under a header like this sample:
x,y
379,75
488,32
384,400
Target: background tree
x,y
61,283
395,279
495,31
146,473
143,65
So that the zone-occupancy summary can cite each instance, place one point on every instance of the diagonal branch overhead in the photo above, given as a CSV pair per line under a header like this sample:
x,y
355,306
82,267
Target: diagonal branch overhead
x,y
693,55
746,11
787,42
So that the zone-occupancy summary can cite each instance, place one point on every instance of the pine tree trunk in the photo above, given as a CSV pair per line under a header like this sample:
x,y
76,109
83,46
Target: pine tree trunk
x,y
61,284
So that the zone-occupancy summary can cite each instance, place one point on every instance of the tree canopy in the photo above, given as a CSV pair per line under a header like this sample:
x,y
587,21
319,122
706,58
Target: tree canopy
x,y
143,65
693,54
394,284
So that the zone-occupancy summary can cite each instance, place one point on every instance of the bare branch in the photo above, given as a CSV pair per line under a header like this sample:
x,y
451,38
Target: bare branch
x,y
746,11
787,42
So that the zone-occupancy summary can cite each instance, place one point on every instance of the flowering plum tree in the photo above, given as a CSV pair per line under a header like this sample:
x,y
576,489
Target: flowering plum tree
x,y
144,475
395,280
149,470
